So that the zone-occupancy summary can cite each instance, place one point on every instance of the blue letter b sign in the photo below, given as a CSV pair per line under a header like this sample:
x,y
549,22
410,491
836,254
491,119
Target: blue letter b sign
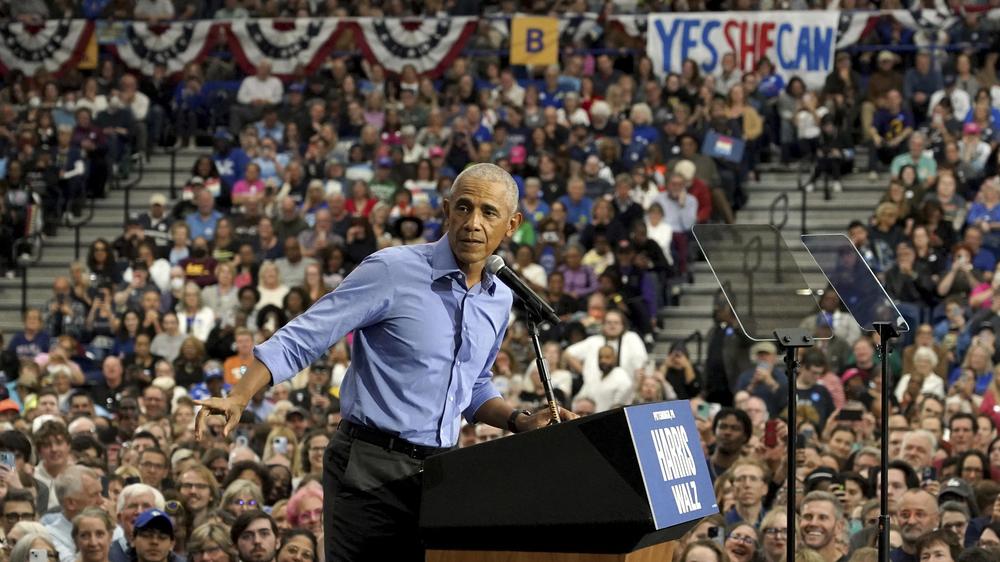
x,y
534,40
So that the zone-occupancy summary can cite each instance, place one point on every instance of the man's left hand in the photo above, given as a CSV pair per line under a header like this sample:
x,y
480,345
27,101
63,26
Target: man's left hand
x,y
542,418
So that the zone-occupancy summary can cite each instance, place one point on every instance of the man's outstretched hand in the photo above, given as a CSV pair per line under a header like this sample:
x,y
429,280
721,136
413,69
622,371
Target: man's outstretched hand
x,y
230,407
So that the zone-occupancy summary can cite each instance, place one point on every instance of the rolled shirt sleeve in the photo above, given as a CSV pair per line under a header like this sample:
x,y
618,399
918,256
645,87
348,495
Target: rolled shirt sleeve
x,y
362,299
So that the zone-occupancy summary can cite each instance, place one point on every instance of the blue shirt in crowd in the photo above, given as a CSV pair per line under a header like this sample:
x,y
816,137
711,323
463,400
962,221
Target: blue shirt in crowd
x,y
423,343
577,212
203,227
231,166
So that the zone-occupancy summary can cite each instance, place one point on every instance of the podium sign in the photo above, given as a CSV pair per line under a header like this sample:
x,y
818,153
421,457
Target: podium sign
x,y
674,471
615,483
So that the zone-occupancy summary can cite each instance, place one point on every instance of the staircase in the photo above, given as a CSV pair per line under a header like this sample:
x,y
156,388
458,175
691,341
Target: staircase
x,y
857,201
108,222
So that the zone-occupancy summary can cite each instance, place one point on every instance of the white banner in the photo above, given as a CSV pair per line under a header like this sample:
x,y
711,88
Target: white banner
x,y
797,43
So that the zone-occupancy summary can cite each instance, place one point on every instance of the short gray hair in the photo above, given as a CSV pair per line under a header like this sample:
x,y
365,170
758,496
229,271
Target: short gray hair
x,y
70,480
957,507
924,352
822,496
492,173
241,486
140,488
23,546
922,433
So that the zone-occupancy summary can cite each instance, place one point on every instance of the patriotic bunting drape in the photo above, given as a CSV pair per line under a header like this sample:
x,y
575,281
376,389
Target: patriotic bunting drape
x,y
288,44
173,45
428,44
53,46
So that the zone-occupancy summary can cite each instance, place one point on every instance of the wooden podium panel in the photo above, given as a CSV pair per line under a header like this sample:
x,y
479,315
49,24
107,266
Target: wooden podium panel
x,y
662,552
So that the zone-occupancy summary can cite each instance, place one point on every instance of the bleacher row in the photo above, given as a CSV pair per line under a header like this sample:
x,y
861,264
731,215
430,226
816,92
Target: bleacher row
x,y
677,322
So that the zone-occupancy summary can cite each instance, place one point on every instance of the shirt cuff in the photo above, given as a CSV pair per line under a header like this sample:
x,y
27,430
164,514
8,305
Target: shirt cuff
x,y
481,394
274,357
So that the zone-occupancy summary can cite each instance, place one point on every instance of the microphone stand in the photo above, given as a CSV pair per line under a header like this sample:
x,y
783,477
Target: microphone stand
x,y
543,370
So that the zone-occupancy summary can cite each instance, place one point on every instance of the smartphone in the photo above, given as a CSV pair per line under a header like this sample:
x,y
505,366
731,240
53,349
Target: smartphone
x,y
771,434
849,415
280,445
805,435
928,475
715,534
7,459
764,366
104,486
38,555
703,410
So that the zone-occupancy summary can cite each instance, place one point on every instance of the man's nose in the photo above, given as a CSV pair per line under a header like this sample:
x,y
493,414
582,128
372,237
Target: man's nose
x,y
474,222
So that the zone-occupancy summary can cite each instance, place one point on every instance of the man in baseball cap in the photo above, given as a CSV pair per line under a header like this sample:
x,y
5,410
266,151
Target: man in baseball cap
x,y
154,536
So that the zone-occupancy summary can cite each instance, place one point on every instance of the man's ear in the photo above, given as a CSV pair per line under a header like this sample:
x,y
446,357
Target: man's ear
x,y
515,223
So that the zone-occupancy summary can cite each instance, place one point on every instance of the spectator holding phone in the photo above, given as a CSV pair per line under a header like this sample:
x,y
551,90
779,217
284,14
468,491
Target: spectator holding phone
x,y
766,380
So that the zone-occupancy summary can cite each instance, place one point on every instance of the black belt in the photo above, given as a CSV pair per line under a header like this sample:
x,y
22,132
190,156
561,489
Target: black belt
x,y
388,441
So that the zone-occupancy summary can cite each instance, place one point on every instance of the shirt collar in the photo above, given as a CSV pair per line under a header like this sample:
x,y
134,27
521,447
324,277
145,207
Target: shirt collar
x,y
443,264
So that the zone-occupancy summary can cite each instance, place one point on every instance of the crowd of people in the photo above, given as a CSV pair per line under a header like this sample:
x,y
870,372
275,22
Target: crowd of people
x,y
297,181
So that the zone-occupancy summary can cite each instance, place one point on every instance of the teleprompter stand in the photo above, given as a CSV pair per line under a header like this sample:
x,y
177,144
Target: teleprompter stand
x,y
872,308
768,293
886,331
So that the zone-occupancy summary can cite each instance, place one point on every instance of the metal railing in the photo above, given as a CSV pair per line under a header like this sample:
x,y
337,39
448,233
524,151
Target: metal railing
x,y
80,223
782,201
133,182
25,260
699,341
780,209
173,172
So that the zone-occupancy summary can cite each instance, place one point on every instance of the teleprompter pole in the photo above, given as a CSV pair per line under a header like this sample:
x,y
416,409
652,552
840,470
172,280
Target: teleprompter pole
x,y
791,341
886,331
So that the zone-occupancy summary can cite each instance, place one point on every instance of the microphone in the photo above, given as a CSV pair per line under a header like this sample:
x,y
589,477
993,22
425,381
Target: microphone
x,y
534,303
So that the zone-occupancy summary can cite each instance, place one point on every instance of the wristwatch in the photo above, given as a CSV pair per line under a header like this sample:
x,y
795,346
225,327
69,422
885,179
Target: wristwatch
x,y
512,420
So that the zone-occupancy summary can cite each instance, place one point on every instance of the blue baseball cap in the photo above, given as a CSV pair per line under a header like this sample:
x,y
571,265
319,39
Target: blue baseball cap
x,y
154,519
223,134
297,87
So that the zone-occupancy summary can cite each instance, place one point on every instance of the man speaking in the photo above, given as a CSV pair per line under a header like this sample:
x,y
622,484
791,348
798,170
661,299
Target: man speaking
x,y
428,322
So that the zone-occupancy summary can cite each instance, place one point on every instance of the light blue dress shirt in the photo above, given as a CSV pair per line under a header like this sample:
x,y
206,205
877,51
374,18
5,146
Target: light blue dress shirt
x,y
423,342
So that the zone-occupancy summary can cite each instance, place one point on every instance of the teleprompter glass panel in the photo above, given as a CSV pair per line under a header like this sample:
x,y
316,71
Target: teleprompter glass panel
x,y
759,276
852,279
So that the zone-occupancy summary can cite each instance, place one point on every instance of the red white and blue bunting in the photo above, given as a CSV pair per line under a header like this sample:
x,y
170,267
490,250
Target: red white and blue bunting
x,y
54,46
429,44
290,45
173,45
632,25
579,29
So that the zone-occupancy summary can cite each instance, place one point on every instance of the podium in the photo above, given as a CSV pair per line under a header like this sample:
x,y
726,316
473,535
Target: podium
x,y
618,485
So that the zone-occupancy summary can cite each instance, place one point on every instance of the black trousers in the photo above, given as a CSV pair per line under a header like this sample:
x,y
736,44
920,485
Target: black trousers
x,y
371,502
